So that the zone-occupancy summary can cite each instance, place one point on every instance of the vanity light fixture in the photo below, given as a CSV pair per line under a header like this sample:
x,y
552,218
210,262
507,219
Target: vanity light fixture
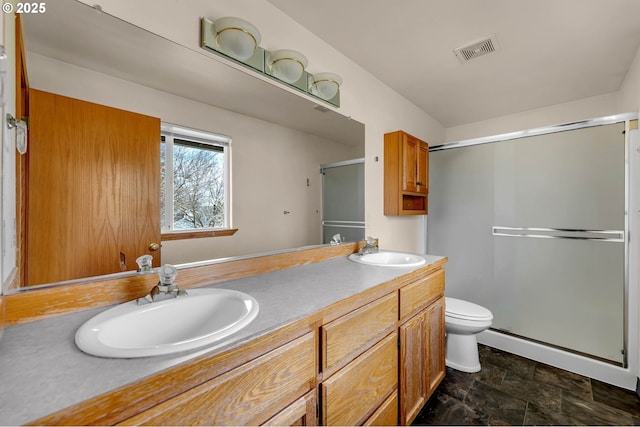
x,y
287,65
239,41
236,37
324,85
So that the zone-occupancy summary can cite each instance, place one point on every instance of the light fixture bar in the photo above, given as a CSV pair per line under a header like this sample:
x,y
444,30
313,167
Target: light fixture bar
x,y
260,62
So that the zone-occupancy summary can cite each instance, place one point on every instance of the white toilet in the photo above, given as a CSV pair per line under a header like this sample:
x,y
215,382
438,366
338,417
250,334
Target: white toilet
x,y
464,320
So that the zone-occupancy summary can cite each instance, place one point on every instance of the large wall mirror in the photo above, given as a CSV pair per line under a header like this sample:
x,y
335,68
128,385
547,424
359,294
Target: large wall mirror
x,y
279,137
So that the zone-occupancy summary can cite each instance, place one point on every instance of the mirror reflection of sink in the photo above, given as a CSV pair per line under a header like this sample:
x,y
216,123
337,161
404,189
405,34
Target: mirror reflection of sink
x,y
389,259
200,318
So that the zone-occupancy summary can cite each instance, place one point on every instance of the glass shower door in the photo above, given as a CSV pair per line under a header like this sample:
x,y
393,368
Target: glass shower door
x,y
343,201
535,232
562,257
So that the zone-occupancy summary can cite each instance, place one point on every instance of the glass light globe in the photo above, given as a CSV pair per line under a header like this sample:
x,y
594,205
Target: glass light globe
x,y
287,65
236,37
325,85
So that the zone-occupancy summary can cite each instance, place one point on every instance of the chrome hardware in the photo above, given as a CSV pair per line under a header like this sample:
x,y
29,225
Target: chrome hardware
x,y
144,263
559,233
165,289
337,239
370,247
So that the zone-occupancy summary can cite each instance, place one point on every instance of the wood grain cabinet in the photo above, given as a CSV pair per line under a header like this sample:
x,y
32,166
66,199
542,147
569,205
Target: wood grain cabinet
x,y
354,393
359,353
422,343
386,414
302,412
268,386
350,335
406,174
371,359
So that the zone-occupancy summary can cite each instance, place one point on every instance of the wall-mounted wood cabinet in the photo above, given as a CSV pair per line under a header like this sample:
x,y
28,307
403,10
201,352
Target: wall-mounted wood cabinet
x,y
406,174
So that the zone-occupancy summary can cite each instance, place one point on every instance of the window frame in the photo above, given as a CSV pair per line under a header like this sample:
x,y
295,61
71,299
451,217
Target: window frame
x,y
171,132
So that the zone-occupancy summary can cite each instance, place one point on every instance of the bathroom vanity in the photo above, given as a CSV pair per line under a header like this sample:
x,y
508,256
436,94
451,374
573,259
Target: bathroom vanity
x,y
335,343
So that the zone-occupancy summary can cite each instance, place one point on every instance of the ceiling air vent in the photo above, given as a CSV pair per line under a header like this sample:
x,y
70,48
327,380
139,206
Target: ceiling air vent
x,y
478,48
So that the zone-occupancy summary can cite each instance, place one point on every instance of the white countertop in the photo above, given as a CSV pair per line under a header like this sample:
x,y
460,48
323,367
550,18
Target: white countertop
x,y
42,370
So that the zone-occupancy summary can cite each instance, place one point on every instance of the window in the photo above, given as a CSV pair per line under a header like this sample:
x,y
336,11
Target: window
x,y
194,184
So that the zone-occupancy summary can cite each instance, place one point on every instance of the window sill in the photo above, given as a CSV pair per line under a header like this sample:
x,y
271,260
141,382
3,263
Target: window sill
x,y
197,234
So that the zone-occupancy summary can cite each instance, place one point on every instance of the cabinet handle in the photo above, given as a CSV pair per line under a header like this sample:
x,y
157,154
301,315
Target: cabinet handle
x,y
418,183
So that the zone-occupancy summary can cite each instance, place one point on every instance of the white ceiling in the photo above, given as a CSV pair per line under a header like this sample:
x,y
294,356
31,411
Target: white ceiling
x,y
550,51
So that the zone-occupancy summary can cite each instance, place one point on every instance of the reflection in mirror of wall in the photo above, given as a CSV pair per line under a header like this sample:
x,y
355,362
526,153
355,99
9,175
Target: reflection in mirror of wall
x,y
279,138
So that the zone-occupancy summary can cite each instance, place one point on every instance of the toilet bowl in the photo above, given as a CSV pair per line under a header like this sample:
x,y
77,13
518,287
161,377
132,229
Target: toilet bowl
x,y
463,321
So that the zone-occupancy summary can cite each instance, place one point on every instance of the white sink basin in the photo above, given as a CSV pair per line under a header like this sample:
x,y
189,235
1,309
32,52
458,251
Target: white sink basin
x,y
389,259
200,318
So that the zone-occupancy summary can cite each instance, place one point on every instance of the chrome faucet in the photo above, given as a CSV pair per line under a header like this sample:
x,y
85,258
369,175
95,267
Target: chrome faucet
x,y
166,288
337,239
370,247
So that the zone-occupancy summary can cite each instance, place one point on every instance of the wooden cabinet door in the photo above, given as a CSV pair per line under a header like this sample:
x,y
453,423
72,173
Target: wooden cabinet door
x,y
422,359
93,203
410,149
435,327
422,167
413,367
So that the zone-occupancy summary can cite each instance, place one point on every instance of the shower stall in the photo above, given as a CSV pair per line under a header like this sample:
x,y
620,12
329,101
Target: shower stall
x,y
540,227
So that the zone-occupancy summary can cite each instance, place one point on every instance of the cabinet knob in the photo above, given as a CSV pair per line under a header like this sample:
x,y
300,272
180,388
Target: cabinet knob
x,y
153,247
418,183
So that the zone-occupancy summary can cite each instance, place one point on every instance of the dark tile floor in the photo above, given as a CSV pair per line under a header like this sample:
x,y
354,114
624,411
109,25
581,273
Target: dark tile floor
x,y
512,390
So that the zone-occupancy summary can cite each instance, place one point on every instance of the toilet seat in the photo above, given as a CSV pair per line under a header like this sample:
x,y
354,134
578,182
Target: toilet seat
x,y
465,310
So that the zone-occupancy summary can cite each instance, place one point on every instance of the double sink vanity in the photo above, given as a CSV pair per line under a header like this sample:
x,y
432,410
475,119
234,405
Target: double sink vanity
x,y
320,340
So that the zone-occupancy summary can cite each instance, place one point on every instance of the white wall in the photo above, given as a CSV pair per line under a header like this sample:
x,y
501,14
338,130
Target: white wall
x,y
265,180
630,88
586,108
630,100
362,97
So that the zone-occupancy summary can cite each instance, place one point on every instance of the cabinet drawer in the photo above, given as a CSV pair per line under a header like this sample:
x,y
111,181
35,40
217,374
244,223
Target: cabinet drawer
x,y
386,414
419,294
353,393
247,395
346,337
302,412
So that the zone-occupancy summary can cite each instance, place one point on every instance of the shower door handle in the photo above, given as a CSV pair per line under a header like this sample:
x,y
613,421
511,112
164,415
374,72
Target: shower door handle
x,y
560,233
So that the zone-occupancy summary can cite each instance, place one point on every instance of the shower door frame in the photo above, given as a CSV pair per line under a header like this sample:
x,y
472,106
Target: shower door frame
x,y
626,375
